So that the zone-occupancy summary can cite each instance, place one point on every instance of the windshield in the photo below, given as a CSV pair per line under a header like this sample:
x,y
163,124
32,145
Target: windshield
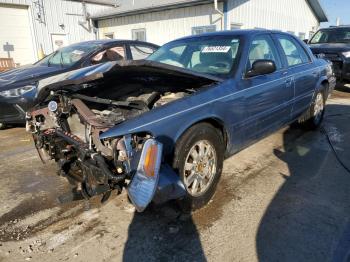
x,y
68,56
336,35
214,55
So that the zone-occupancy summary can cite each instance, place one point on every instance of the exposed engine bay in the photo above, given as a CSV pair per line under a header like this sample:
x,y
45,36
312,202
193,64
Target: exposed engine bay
x,y
68,132
66,126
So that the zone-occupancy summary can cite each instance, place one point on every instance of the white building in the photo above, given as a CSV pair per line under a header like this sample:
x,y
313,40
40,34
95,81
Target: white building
x,y
26,26
164,20
29,26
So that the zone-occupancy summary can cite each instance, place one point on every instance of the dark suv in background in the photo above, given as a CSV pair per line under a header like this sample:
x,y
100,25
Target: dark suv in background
x,y
333,43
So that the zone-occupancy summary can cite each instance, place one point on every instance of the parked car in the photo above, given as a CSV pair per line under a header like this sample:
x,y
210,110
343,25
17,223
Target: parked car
x,y
334,44
18,86
162,127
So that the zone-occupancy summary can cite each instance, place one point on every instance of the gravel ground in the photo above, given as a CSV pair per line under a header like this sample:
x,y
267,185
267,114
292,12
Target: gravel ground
x,y
285,198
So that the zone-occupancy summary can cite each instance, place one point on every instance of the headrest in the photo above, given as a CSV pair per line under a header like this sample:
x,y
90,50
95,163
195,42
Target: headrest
x,y
214,57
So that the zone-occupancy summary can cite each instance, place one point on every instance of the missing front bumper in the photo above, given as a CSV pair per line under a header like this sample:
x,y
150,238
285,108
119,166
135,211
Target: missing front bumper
x,y
162,186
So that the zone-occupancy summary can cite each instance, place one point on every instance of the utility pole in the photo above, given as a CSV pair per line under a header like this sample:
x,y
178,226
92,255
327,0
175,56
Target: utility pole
x,y
338,21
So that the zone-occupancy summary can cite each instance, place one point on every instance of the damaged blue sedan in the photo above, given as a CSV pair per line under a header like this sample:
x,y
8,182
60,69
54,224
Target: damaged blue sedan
x,y
162,127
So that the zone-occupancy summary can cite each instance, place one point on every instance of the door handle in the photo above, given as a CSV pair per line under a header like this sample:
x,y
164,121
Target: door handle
x,y
289,82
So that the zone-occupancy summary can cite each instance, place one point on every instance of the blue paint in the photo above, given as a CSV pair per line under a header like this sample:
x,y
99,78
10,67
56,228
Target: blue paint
x,y
342,251
247,109
169,186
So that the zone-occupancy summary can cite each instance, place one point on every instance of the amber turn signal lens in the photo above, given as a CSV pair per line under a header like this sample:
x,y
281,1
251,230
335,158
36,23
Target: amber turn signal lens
x,y
150,160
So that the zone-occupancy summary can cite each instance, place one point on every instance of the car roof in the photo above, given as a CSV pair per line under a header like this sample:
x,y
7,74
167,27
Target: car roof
x,y
107,42
335,28
237,32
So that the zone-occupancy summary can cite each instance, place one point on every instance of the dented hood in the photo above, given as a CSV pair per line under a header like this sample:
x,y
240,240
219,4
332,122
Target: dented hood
x,y
122,71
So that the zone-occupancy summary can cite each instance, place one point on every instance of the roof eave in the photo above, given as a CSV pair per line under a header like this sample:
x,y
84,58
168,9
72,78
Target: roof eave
x,y
152,9
318,10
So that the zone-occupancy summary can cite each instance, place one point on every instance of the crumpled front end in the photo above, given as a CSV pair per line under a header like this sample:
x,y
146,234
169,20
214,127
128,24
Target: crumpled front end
x,y
74,110
68,131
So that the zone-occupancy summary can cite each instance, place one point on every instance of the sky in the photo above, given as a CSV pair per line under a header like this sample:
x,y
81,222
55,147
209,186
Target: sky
x,y
334,9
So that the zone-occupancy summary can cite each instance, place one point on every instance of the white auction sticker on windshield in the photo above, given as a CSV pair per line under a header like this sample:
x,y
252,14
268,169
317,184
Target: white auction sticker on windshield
x,y
216,49
78,52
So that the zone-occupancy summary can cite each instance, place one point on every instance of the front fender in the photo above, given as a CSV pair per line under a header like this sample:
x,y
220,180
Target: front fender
x,y
169,122
166,129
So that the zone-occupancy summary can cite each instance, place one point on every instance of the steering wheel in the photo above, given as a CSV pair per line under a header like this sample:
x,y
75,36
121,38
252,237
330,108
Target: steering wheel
x,y
222,64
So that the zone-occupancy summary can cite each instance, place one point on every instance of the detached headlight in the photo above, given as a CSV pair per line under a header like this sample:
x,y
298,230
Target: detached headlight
x,y
143,186
17,91
346,54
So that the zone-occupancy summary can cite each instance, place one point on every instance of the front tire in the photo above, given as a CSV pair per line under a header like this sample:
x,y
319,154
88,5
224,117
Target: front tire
x,y
2,126
198,158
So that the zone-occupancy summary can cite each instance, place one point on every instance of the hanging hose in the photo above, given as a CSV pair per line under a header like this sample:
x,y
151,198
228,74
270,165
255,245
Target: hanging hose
x,y
324,131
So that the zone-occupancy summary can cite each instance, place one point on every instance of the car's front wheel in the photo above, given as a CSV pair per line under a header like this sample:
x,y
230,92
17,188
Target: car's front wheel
x,y
198,158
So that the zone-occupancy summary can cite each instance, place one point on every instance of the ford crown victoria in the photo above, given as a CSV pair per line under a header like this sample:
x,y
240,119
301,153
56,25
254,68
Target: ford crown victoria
x,y
162,127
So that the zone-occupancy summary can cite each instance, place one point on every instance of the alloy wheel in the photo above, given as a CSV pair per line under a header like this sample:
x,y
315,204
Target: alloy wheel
x,y
200,167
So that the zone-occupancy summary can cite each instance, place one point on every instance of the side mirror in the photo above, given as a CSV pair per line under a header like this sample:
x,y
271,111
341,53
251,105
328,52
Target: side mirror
x,y
261,67
306,41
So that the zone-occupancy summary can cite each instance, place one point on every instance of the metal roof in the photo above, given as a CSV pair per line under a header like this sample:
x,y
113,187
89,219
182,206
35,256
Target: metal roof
x,y
318,10
132,7
99,2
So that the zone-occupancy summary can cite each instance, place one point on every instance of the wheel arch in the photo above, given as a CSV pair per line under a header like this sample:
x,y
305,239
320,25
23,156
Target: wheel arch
x,y
323,86
213,121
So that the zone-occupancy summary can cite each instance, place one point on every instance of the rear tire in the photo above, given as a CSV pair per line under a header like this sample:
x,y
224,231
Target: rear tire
x,y
312,119
2,126
198,158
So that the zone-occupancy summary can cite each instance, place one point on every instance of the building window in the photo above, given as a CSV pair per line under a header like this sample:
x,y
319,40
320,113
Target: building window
x,y
109,35
302,36
139,34
203,29
235,26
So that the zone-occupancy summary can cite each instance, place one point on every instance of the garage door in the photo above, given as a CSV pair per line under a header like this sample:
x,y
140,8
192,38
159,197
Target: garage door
x,y
15,34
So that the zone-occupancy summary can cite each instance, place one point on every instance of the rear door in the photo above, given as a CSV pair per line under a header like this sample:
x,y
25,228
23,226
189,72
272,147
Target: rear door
x,y
302,70
267,95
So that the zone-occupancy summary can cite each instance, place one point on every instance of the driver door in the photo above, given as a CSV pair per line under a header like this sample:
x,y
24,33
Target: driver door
x,y
267,96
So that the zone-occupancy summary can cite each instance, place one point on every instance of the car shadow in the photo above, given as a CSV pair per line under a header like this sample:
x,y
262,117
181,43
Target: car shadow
x,y
309,217
10,126
163,234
